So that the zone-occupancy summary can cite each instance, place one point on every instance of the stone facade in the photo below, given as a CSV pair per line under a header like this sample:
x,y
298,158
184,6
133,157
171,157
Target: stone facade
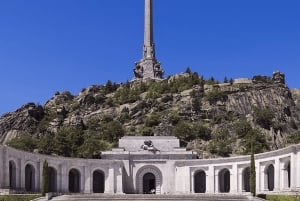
x,y
150,165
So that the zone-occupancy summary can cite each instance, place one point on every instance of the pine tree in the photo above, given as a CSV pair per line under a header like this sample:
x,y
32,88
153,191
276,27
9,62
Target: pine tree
x,y
45,179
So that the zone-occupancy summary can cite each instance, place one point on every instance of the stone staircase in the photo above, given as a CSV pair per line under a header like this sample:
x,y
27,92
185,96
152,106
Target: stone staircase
x,y
146,197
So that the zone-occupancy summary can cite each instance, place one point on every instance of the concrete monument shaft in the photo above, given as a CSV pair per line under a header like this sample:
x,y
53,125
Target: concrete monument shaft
x,y
148,67
148,31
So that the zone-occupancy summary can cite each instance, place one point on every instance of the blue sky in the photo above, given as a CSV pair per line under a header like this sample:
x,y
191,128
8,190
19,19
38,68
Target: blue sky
x,y
55,45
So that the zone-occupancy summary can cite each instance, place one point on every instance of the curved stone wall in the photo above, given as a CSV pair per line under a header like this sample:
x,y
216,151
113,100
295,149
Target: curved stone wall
x,y
276,171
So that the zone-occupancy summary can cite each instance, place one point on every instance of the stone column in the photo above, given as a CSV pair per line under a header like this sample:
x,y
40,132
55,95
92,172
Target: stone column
x,y
277,175
64,179
210,179
240,186
110,183
263,177
119,181
148,30
293,164
38,177
88,181
297,167
22,170
216,176
258,176
4,169
18,174
234,179
59,179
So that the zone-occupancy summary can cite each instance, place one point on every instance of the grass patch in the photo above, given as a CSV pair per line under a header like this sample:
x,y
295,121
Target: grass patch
x,y
283,197
18,197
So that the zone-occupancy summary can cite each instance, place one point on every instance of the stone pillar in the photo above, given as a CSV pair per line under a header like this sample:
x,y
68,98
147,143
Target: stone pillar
x,y
4,170
258,176
216,177
87,180
64,179
59,179
294,174
277,175
262,178
210,179
38,176
110,183
22,170
297,167
240,186
119,181
18,174
234,179
82,179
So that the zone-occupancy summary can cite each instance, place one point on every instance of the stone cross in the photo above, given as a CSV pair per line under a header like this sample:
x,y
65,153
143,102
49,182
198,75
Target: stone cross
x,y
148,66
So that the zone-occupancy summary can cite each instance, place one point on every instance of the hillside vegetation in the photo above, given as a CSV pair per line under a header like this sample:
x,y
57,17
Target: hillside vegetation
x,y
212,118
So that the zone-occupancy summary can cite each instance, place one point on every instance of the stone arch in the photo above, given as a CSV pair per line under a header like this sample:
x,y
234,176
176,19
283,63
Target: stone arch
x,y
224,181
52,179
74,181
287,174
200,181
154,173
98,181
12,175
29,178
246,179
269,177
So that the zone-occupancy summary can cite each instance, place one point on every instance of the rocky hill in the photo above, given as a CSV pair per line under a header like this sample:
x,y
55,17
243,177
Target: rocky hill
x,y
212,118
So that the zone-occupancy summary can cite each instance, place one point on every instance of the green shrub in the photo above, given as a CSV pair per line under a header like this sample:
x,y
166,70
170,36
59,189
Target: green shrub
x,y
215,96
24,142
264,117
18,197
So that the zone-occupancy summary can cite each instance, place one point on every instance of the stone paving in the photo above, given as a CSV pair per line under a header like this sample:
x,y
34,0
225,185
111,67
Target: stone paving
x,y
135,197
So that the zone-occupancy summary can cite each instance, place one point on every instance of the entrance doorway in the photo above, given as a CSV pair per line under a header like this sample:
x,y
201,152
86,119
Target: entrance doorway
x,y
74,181
29,178
98,182
224,181
200,182
149,183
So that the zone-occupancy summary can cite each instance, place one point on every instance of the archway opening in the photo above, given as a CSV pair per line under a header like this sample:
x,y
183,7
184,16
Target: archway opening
x,y
74,181
52,179
12,175
149,184
200,182
287,174
98,182
224,181
29,178
270,177
246,179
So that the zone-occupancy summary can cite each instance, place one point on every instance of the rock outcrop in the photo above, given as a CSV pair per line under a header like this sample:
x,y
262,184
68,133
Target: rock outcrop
x,y
142,111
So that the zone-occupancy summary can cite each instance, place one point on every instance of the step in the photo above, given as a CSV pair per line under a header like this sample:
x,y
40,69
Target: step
x,y
146,197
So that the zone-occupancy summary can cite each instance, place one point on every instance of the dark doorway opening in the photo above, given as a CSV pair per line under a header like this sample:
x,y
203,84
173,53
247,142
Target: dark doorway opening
x,y
224,181
74,181
246,179
98,182
12,175
149,186
200,182
52,175
29,178
270,175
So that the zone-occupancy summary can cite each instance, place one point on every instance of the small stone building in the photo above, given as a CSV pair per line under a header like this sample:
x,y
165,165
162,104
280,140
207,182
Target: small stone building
x,y
150,165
